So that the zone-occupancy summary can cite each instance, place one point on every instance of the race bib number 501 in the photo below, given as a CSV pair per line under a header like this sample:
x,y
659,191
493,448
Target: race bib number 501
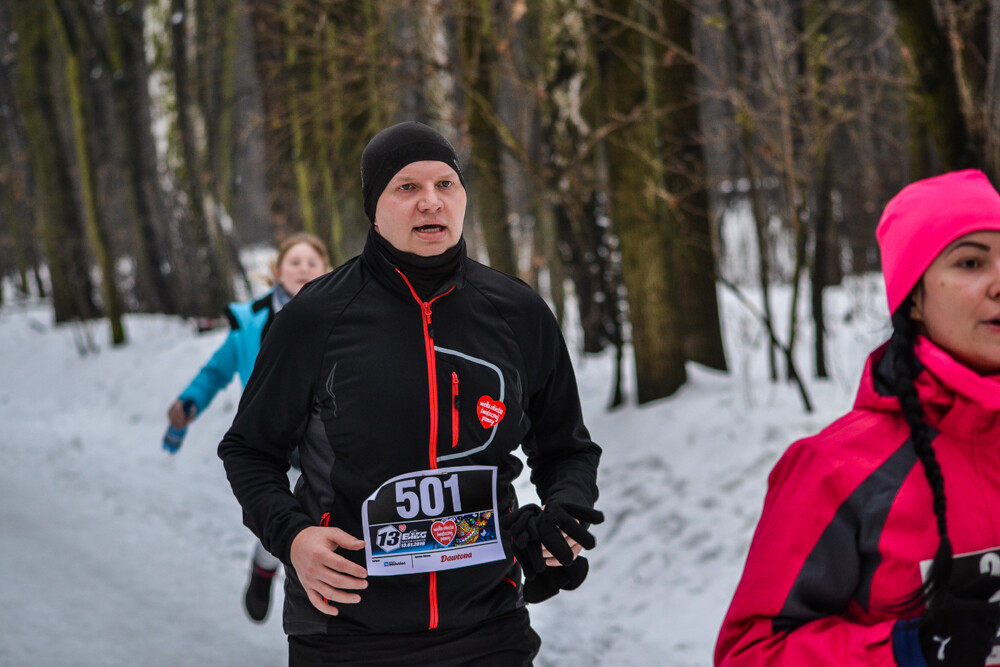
x,y
432,520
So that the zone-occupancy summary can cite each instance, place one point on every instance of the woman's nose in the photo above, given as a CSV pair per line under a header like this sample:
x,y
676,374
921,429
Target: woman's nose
x,y
994,284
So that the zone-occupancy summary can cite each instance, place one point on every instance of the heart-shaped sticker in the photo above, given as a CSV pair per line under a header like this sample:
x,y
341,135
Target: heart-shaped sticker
x,y
490,412
444,531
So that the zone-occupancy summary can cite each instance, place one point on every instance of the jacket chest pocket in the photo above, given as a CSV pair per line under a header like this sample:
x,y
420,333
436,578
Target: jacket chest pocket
x,y
479,405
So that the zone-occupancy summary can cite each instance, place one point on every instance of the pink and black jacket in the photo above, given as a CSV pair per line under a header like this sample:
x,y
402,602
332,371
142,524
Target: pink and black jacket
x,y
847,520
371,382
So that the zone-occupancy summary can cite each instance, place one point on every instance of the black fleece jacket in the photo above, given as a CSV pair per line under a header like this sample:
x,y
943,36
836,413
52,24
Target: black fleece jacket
x,y
371,383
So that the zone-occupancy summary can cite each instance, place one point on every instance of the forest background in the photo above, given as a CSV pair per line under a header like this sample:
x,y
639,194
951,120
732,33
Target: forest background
x,y
146,146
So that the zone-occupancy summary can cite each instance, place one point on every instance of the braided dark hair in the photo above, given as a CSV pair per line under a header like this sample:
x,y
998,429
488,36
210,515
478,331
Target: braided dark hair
x,y
906,368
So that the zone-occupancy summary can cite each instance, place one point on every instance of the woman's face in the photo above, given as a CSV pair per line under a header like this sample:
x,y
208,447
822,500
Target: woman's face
x,y
957,304
300,264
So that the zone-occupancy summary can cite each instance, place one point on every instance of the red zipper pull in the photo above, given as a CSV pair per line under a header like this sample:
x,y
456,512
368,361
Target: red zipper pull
x,y
426,307
454,409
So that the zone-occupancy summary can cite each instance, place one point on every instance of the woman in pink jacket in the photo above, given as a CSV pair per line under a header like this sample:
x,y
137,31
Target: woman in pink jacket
x,y
879,541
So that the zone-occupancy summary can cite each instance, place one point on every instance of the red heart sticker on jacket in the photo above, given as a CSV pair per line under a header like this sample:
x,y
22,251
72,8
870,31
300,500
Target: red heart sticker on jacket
x,y
490,412
444,531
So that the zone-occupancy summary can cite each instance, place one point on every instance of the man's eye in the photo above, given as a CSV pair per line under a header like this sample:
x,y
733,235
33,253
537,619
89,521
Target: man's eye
x,y
406,186
445,184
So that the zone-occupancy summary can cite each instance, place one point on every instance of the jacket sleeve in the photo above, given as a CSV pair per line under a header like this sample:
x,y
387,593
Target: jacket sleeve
x,y
802,575
562,457
215,375
272,416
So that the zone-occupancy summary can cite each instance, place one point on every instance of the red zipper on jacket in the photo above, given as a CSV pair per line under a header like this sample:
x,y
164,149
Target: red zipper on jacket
x,y
425,308
454,409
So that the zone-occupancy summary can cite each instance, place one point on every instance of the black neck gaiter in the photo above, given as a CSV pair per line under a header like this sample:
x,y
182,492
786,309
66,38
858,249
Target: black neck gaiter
x,y
426,274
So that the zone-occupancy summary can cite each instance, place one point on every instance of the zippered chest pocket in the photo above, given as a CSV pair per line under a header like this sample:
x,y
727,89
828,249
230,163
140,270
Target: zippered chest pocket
x,y
478,402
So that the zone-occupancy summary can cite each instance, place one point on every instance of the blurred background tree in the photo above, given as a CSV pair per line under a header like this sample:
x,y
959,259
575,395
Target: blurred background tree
x,y
147,145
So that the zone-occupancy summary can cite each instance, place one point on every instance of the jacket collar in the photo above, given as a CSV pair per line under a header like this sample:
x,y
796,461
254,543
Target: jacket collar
x,y
954,397
389,275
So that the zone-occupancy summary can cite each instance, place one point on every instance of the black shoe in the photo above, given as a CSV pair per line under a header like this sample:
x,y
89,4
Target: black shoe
x,y
258,594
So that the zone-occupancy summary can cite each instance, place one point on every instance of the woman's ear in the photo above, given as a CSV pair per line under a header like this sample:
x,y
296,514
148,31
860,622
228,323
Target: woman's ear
x,y
917,299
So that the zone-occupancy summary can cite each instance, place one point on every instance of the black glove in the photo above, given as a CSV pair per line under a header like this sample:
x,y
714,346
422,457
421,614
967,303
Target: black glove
x,y
554,579
959,630
530,527
959,633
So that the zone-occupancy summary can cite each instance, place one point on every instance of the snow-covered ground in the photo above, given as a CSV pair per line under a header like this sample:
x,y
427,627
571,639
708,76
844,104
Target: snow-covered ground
x,y
115,553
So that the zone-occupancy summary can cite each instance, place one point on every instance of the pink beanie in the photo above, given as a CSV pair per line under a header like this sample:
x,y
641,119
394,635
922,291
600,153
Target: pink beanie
x,y
920,222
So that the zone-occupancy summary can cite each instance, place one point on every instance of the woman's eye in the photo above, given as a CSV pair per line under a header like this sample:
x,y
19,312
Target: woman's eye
x,y
969,263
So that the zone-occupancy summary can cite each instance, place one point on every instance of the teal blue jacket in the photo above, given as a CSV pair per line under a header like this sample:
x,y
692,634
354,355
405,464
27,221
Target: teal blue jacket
x,y
237,354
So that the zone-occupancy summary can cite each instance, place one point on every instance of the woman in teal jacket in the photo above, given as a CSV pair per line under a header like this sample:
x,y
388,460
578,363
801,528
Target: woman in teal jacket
x,y
301,258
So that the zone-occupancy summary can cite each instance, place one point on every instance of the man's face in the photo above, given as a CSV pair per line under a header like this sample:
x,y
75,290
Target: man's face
x,y
422,209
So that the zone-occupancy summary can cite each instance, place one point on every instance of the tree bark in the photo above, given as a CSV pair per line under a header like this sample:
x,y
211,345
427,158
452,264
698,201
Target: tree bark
x,y
646,242
92,216
684,205
15,167
133,103
213,289
743,76
56,215
935,85
479,45
577,245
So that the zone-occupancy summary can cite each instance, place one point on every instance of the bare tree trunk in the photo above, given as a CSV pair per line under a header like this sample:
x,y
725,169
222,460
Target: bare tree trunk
x,y
478,38
935,85
92,216
56,215
221,138
299,165
646,242
992,94
577,242
684,205
743,76
15,165
825,241
214,290
251,189
131,84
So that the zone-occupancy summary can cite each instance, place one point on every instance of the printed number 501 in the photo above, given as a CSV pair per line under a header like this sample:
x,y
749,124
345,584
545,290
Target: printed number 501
x,y
428,498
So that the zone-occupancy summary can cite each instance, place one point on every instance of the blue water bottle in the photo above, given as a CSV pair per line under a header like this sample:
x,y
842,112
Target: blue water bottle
x,y
173,438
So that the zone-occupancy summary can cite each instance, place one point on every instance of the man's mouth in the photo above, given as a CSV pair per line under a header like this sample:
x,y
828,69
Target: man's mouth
x,y
429,229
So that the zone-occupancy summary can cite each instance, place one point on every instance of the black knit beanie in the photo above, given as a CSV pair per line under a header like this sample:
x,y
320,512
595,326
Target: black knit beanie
x,y
395,147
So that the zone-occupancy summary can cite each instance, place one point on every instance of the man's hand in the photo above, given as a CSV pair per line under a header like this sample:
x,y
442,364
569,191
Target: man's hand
x,y
326,575
552,561
549,536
